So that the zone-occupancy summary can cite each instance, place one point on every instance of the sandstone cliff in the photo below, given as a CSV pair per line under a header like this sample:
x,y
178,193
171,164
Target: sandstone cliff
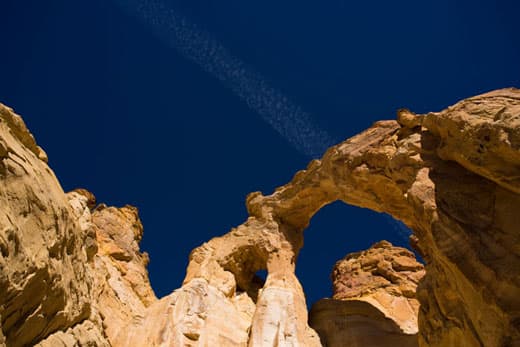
x,y
71,274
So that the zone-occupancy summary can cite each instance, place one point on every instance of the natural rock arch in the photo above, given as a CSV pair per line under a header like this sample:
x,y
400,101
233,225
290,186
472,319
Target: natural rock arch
x,y
276,224
453,177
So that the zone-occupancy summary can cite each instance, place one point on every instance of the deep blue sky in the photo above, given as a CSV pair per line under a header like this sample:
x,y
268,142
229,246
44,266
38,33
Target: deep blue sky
x,y
122,113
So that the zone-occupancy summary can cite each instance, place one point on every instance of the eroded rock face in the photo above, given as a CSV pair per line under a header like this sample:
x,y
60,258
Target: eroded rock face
x,y
44,284
69,276
451,176
374,300
122,290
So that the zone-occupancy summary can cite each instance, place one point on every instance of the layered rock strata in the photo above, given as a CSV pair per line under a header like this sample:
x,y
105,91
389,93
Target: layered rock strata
x,y
453,177
69,275
44,284
374,300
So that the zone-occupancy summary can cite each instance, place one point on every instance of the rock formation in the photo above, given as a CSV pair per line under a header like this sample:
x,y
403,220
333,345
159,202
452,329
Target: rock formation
x,y
44,284
72,274
68,277
374,300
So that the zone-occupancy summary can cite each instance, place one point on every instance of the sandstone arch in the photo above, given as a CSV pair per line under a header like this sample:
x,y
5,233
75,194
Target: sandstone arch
x,y
453,177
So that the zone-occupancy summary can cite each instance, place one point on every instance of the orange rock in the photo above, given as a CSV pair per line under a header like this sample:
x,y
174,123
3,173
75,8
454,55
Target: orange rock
x,y
374,300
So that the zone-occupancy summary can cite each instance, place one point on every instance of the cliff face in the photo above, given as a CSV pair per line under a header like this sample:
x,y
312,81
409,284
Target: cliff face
x,y
44,284
72,273
68,276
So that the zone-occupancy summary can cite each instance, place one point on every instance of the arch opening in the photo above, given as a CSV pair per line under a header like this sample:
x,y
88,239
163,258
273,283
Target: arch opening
x,y
335,231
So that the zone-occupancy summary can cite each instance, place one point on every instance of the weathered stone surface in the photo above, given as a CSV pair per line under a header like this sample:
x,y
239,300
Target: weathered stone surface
x,y
68,277
482,134
197,314
356,323
86,333
220,282
451,176
44,283
121,290
374,300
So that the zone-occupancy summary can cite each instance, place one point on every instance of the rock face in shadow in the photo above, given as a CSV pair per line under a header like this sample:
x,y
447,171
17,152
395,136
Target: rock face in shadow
x,y
356,323
73,275
374,300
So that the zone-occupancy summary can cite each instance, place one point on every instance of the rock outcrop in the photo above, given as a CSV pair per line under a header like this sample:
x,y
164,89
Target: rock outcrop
x,y
69,275
374,300
74,275
44,284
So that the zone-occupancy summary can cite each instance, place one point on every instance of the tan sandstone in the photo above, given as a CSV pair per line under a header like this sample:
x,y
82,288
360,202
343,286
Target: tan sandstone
x,y
44,283
453,177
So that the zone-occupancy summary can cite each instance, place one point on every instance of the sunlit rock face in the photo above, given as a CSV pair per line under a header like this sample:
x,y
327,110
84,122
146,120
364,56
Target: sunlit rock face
x,y
374,300
72,273
44,283
69,275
